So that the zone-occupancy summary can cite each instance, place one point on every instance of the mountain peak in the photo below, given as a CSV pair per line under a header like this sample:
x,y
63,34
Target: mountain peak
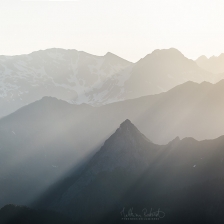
x,y
175,141
203,57
48,98
170,51
123,149
51,100
126,123
110,55
129,131
113,57
164,54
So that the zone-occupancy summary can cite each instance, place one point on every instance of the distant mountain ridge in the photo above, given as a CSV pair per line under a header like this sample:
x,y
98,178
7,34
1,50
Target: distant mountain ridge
x,y
213,64
50,138
64,74
78,77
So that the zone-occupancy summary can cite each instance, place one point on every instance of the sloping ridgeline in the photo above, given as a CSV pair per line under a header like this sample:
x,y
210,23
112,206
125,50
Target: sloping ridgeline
x,y
183,179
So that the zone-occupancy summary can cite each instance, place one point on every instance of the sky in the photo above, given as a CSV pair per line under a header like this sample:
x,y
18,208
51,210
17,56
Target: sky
x,y
130,29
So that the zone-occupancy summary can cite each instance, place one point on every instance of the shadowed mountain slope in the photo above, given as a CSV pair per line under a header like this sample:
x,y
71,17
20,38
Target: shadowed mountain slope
x,y
50,138
131,170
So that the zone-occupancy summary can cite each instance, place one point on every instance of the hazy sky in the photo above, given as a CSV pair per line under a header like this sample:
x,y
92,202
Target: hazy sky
x,y
128,28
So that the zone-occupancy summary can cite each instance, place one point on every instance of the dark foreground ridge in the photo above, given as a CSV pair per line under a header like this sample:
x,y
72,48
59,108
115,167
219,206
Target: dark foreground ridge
x,y
12,214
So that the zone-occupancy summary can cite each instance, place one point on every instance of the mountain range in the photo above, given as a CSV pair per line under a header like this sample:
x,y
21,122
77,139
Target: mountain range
x,y
50,138
213,64
130,170
64,74
78,77
68,144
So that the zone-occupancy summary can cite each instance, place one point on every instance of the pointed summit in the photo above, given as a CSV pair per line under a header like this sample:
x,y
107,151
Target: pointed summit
x,y
125,148
109,54
124,157
214,64
175,141
129,131
113,58
127,123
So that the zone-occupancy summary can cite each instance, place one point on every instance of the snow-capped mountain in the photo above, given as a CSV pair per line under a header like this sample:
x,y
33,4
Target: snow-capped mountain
x,y
158,72
64,74
78,77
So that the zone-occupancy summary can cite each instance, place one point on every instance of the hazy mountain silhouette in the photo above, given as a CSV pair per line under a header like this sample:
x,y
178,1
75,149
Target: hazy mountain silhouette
x,y
155,73
37,148
131,170
162,70
213,64
65,74
79,77
42,141
48,138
